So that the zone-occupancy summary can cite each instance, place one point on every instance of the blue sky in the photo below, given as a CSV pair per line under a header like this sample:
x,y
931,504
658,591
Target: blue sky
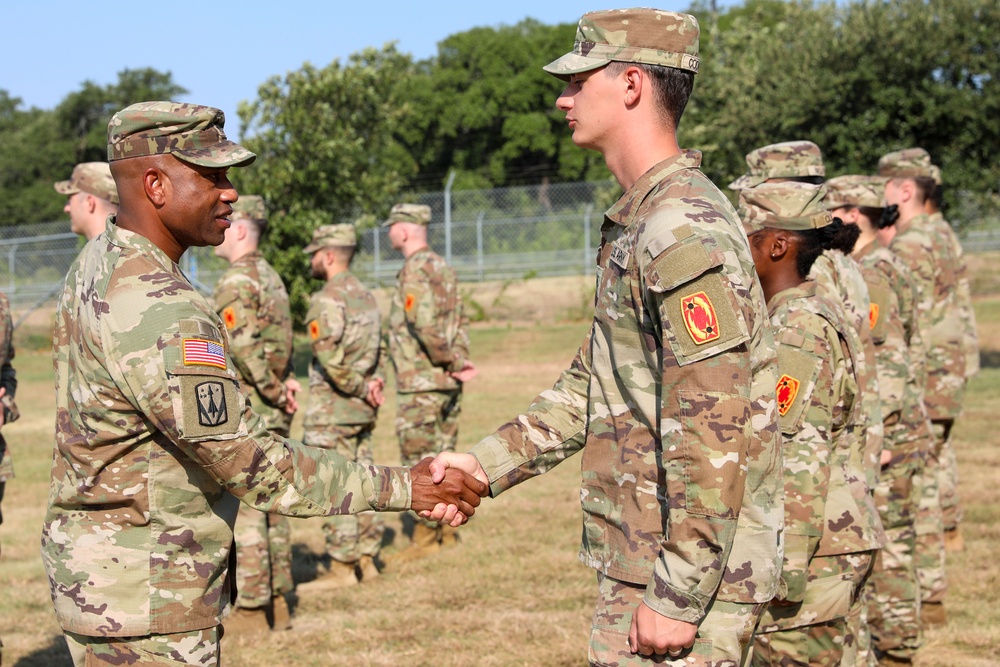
x,y
222,53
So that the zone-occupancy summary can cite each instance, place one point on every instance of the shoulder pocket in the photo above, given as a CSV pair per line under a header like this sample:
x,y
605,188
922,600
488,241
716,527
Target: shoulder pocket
x,y
798,372
879,311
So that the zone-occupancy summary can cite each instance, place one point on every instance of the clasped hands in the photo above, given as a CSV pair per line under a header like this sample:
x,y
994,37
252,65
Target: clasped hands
x,y
449,488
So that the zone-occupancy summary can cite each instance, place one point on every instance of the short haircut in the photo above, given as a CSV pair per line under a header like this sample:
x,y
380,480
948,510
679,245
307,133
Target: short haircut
x,y
671,87
344,253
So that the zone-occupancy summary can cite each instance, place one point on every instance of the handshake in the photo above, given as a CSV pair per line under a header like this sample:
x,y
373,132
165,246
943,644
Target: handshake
x,y
448,488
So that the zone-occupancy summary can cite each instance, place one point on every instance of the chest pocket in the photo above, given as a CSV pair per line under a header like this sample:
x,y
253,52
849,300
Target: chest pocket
x,y
798,371
699,310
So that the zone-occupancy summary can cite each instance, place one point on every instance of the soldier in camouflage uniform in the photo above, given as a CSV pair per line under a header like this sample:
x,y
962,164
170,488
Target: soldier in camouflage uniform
x,y
344,329
8,408
91,197
933,262
832,528
155,441
671,395
893,592
799,161
251,300
427,339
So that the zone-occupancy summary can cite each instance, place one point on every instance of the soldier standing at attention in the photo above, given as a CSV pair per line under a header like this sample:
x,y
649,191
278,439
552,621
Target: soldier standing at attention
x,y
155,441
251,300
91,198
344,326
935,266
671,395
832,529
427,339
8,409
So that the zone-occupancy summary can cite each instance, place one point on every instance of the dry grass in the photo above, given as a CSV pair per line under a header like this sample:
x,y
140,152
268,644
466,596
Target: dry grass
x,y
513,593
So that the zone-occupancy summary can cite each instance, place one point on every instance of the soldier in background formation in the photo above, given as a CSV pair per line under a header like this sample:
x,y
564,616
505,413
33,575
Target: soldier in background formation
x,y
155,440
427,340
252,303
91,198
8,408
344,326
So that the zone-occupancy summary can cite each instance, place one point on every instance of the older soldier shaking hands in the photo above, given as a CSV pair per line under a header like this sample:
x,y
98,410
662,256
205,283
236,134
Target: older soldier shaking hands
x,y
155,443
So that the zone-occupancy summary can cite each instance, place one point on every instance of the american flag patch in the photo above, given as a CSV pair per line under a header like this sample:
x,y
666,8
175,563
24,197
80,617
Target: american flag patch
x,y
199,352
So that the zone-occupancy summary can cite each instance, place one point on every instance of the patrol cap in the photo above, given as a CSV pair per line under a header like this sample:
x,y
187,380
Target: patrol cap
x,y
907,163
936,174
855,191
190,132
418,214
90,177
640,35
792,206
332,236
789,159
249,207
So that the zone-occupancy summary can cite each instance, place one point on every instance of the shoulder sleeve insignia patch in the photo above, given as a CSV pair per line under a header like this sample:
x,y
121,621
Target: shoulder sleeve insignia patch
x,y
229,317
872,315
787,389
314,329
201,352
408,304
700,318
211,404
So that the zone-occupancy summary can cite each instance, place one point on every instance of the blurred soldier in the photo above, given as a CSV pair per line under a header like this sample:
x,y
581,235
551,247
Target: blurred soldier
x,y
344,327
832,528
934,264
671,395
798,161
893,592
155,441
92,197
427,339
8,409
252,302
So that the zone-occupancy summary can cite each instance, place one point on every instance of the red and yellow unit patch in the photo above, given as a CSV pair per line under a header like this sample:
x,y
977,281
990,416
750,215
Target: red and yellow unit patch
x,y
787,389
408,303
314,329
700,318
229,317
201,352
872,315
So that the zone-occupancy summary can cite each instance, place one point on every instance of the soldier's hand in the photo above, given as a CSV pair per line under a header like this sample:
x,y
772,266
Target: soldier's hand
x,y
467,372
458,492
292,387
464,462
375,397
653,633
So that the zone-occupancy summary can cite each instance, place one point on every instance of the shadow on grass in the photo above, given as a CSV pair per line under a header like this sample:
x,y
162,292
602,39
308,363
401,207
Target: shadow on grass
x,y
54,655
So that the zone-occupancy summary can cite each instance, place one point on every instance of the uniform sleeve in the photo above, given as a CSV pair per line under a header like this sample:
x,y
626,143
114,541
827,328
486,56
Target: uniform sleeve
x,y
327,330
433,311
173,367
8,376
237,300
889,337
966,313
552,429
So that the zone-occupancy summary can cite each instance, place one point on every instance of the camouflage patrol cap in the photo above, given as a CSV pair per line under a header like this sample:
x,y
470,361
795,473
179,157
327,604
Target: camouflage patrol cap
x,y
907,163
249,207
90,177
418,214
641,35
792,206
190,132
936,174
332,236
789,159
855,191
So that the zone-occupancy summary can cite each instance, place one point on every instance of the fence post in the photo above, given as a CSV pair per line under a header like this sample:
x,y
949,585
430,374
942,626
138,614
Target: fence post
x,y
479,243
12,266
376,260
447,216
588,258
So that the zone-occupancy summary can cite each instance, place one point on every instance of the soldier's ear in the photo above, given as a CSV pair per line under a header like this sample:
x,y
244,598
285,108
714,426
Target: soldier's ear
x,y
154,183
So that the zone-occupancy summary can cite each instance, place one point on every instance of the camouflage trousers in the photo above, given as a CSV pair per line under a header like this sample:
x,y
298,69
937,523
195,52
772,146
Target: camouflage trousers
x,y
197,647
824,630
263,557
723,640
951,508
930,554
351,536
6,469
427,424
893,594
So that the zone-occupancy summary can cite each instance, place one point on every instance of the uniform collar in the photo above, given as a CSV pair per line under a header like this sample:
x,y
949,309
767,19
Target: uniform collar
x,y
625,210
802,291
124,238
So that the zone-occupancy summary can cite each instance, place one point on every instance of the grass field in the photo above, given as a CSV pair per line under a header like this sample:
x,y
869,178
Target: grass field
x,y
513,593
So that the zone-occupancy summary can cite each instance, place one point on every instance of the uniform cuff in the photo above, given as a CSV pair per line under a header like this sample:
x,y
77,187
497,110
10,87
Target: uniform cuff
x,y
492,454
393,488
672,603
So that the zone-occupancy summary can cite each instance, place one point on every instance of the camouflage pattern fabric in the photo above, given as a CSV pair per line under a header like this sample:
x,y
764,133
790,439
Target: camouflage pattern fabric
x,y
417,214
724,637
8,380
263,557
427,423
197,647
671,399
90,177
788,159
151,421
427,333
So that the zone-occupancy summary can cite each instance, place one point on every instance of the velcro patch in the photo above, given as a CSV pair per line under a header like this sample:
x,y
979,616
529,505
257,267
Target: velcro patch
x,y
700,318
211,398
787,389
229,317
619,256
314,329
872,316
201,352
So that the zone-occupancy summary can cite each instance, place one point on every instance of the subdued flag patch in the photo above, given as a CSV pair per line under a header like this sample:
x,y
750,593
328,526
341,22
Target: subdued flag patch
x,y
787,389
201,352
700,318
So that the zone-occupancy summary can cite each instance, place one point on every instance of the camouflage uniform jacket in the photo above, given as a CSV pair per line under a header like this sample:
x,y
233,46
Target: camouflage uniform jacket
x,y
932,264
671,398
8,380
966,314
155,442
253,304
843,281
344,328
829,507
427,334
